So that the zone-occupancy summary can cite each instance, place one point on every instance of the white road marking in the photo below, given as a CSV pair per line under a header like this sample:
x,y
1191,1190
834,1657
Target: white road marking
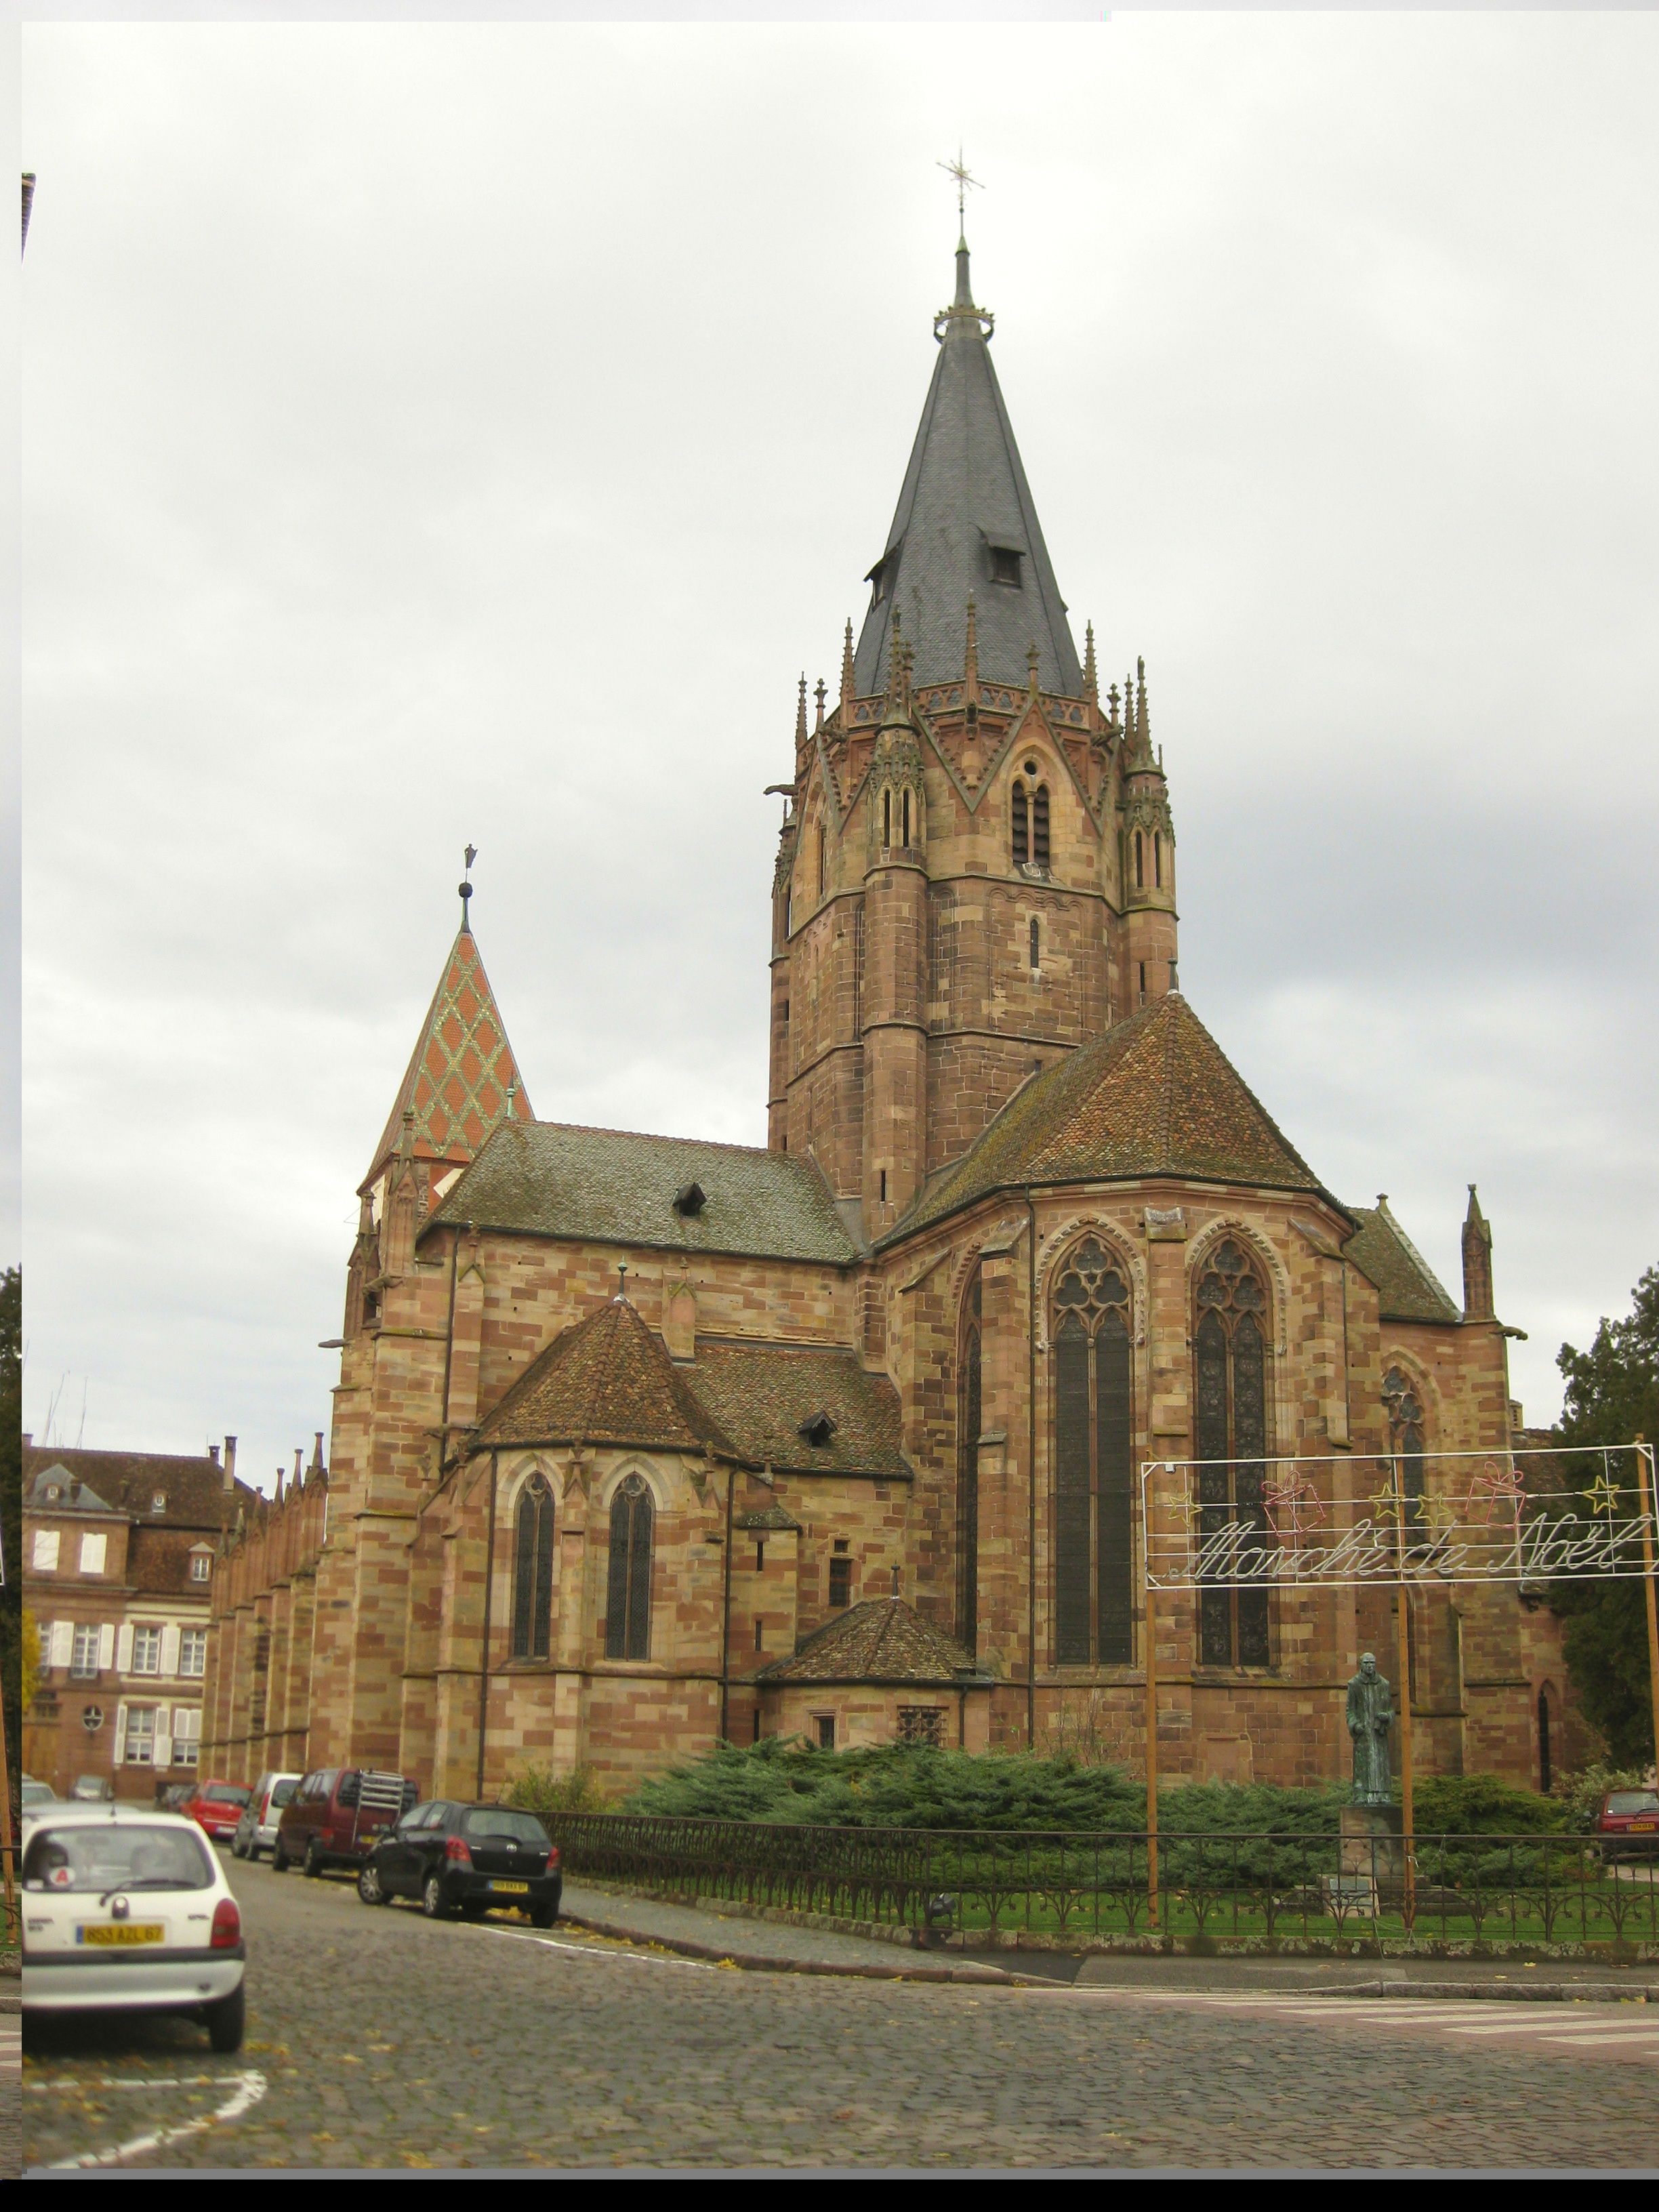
x,y
588,1951
1623,2035
246,2091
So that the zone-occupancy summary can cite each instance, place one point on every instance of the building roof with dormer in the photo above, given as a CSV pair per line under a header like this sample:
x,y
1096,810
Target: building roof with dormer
x,y
462,1073
965,499
883,1640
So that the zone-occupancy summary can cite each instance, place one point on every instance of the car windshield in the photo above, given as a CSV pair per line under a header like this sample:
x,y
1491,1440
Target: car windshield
x,y
223,1793
1633,1801
496,1820
36,1793
283,1792
119,1855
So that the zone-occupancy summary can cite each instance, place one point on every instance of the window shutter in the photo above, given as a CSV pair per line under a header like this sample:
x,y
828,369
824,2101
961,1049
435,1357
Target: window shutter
x,y
63,1642
123,1649
106,1647
163,1750
120,1734
170,1649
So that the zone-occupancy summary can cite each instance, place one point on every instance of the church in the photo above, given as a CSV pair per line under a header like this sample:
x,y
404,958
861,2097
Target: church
x,y
641,1443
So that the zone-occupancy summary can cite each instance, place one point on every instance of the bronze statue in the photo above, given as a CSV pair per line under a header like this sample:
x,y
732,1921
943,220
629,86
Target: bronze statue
x,y
1370,1710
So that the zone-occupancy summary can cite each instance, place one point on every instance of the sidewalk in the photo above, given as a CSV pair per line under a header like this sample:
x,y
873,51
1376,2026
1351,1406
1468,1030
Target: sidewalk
x,y
765,1945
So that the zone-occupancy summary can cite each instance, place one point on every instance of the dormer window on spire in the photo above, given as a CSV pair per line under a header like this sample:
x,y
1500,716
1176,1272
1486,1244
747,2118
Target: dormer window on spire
x,y
1006,562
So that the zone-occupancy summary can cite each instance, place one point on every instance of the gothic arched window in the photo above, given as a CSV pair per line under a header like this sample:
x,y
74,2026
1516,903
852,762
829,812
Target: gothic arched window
x,y
1022,842
1405,1412
1036,943
823,863
906,811
1040,825
628,1596
1231,1434
1140,863
969,1419
1094,1614
886,820
1157,859
532,1570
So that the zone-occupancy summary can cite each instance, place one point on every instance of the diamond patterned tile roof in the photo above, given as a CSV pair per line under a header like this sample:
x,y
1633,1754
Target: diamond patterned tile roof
x,y
883,1640
610,1186
605,1381
1156,1095
1385,1255
458,1078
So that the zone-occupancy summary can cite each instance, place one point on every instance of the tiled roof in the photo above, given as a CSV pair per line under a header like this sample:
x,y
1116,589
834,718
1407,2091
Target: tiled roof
x,y
605,1381
456,1083
1156,1095
767,1517
963,493
760,1394
127,1483
1406,1283
547,1179
883,1640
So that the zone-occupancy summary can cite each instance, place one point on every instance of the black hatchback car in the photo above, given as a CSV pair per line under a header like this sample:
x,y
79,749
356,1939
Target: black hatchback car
x,y
466,1858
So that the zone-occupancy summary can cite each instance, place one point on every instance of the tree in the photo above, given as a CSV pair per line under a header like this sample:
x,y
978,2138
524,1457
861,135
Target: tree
x,y
1611,1396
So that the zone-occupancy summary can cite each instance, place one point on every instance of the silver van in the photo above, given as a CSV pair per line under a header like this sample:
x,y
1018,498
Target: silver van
x,y
256,1831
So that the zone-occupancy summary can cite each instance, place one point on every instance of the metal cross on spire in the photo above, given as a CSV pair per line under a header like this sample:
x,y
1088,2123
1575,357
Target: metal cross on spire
x,y
959,170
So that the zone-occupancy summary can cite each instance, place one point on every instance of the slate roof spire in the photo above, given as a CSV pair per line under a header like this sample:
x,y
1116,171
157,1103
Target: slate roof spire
x,y
462,1078
964,502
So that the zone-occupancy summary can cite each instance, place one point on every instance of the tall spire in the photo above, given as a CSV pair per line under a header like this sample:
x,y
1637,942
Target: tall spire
x,y
800,714
966,522
1090,676
848,684
462,1078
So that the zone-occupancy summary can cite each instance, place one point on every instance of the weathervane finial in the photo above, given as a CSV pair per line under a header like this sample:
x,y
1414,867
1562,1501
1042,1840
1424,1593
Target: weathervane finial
x,y
959,170
464,887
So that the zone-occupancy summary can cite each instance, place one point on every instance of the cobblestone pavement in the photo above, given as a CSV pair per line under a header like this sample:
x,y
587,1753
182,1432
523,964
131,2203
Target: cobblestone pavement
x,y
380,2038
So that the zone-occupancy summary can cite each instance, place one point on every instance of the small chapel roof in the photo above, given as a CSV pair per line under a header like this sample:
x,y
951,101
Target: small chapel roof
x,y
883,1640
964,501
1385,1255
1156,1095
613,1187
607,1380
765,1395
462,1078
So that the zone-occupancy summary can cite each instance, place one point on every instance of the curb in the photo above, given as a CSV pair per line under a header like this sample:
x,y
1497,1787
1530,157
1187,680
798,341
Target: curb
x,y
1504,1992
753,1962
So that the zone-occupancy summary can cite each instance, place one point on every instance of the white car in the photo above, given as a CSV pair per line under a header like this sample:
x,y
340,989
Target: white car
x,y
256,1831
128,1910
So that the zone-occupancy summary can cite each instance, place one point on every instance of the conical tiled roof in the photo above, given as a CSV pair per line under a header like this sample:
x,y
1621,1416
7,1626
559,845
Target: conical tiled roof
x,y
457,1081
883,1640
606,1381
1156,1095
965,497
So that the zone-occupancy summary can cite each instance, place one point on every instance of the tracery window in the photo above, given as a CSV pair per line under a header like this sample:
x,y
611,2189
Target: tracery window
x,y
1022,837
627,1598
1405,1412
1231,1433
1094,1616
969,1419
532,1570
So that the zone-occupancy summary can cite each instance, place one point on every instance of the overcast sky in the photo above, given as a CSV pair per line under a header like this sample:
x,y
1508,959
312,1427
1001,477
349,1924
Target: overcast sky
x,y
443,433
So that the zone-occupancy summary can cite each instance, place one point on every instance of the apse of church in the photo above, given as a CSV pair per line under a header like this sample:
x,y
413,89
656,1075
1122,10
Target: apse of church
x,y
640,1443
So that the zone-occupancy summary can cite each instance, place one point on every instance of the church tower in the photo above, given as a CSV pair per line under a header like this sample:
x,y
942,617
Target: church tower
x,y
976,868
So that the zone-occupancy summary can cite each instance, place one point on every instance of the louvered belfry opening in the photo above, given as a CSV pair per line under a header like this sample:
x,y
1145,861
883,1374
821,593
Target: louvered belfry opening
x,y
969,1422
532,1570
1094,1522
1231,1350
628,1597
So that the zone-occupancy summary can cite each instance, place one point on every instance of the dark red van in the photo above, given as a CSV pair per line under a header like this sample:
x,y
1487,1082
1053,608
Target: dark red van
x,y
337,1816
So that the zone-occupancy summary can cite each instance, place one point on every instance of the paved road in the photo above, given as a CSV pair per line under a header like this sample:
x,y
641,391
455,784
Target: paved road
x,y
380,2038
11,2141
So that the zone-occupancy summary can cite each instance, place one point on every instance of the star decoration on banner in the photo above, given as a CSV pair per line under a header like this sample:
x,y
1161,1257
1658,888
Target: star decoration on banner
x,y
1603,1495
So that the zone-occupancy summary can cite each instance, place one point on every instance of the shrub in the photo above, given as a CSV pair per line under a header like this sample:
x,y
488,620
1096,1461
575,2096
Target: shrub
x,y
539,1790
1482,1805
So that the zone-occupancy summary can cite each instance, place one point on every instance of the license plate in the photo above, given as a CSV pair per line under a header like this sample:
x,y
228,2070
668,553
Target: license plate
x,y
1642,1828
121,1932
512,1889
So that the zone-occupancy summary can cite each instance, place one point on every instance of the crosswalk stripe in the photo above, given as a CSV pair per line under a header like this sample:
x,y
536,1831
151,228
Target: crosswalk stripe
x,y
1624,2035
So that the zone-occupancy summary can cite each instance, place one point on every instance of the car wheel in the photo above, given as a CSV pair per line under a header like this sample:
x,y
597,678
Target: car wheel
x,y
278,1859
543,1916
432,1899
313,1862
370,1888
226,2020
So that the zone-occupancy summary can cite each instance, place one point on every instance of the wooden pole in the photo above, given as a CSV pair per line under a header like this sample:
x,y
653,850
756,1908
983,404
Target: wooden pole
x,y
1147,1496
1646,1494
1403,1664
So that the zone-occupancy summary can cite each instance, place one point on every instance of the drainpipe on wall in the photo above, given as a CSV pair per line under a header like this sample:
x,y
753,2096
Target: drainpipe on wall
x,y
483,1649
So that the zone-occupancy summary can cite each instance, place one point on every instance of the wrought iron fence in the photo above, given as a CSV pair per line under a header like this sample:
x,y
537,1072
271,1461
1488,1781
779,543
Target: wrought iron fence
x,y
1056,1887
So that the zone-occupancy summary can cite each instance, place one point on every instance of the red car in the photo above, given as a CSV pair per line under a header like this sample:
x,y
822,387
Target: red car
x,y
1628,1824
215,1807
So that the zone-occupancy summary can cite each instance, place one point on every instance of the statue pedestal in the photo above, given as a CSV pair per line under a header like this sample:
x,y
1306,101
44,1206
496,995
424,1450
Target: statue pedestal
x,y
1372,1846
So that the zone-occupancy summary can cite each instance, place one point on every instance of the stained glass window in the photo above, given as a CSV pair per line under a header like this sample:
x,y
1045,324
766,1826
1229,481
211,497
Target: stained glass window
x,y
532,1570
1094,1609
628,1600
1231,1436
